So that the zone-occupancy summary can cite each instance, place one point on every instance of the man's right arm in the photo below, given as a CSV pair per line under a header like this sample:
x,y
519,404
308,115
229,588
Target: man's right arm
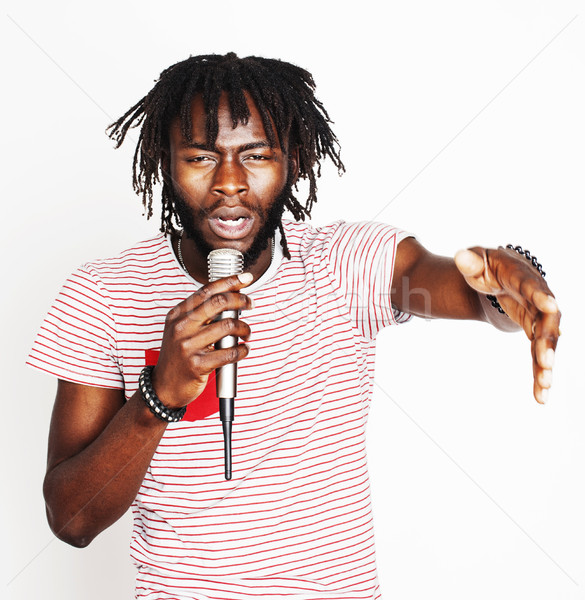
x,y
100,446
99,450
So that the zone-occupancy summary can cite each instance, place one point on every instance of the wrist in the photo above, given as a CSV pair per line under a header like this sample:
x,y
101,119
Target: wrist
x,y
153,402
498,318
142,415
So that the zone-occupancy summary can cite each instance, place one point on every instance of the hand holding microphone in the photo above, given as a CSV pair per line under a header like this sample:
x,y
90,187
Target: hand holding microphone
x,y
192,329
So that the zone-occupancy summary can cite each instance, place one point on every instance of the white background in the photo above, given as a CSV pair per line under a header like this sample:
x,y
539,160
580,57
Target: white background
x,y
460,121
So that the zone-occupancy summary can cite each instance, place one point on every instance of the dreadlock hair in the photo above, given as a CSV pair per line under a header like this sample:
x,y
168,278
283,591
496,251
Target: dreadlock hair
x,y
282,92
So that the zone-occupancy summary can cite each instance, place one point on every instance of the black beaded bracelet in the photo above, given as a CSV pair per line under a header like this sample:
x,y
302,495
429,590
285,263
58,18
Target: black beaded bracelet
x,y
526,254
157,408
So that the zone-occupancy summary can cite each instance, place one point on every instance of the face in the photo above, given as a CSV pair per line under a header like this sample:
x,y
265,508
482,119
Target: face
x,y
231,194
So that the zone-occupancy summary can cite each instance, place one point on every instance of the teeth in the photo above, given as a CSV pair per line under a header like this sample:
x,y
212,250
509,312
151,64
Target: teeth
x,y
232,220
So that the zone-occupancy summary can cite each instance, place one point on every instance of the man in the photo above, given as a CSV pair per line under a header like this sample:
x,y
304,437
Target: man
x,y
230,138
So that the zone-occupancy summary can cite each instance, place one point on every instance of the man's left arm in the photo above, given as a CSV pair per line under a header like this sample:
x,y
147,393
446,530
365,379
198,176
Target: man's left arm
x,y
431,286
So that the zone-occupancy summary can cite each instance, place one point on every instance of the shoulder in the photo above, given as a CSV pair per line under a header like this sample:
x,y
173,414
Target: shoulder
x,y
340,234
141,257
145,268
302,235
142,269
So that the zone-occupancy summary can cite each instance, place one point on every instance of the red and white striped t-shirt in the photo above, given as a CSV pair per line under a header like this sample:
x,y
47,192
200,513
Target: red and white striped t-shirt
x,y
295,520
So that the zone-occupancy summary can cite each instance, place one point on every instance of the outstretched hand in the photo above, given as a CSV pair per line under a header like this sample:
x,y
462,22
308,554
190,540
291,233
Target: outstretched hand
x,y
524,296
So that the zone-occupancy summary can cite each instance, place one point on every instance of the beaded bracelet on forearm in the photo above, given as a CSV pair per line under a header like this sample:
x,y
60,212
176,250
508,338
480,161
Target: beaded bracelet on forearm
x,y
526,254
153,402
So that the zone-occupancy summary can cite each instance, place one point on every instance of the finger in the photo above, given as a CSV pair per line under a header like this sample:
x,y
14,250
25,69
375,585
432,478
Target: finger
x,y
546,334
212,333
540,393
234,283
469,263
545,378
528,320
473,264
214,306
542,374
545,302
187,321
542,382
205,362
546,357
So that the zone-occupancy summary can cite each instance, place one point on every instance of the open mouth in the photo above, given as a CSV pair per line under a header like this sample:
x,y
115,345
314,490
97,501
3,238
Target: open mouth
x,y
231,228
232,222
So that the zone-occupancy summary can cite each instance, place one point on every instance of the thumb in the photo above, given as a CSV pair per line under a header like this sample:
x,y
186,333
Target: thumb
x,y
469,263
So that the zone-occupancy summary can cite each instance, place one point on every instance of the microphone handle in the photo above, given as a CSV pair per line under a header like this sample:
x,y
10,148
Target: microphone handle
x,y
226,375
226,410
224,262
226,389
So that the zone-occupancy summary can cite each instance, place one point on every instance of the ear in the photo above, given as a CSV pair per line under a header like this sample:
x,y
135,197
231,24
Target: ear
x,y
293,163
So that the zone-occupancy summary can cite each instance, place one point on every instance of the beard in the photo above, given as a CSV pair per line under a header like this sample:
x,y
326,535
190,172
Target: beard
x,y
270,219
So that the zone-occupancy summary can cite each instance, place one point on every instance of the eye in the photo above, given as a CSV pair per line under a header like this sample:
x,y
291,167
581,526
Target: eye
x,y
258,157
198,159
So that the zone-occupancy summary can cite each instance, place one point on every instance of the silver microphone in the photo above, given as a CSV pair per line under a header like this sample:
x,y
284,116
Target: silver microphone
x,y
224,263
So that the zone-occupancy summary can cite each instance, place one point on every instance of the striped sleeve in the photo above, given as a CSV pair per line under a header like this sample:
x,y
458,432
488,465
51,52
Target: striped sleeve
x,y
77,340
361,258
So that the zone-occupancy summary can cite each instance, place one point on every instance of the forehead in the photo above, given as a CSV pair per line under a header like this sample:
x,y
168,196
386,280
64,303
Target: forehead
x,y
253,129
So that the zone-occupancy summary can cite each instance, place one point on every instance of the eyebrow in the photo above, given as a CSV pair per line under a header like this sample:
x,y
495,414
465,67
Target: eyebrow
x,y
208,148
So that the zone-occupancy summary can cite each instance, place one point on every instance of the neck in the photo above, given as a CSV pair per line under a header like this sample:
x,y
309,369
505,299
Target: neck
x,y
196,263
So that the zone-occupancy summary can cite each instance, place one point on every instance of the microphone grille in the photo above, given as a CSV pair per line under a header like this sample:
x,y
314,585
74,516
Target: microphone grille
x,y
224,262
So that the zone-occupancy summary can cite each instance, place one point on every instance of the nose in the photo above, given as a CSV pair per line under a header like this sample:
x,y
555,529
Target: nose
x,y
230,178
